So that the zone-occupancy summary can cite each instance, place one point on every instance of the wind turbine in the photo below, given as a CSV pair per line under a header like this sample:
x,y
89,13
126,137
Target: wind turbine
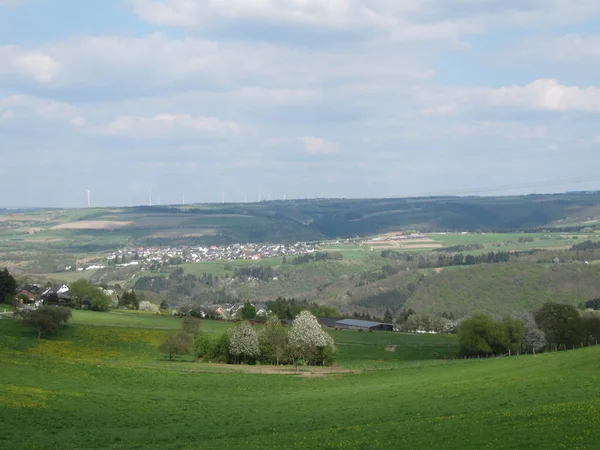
x,y
89,192
150,197
223,197
183,199
245,198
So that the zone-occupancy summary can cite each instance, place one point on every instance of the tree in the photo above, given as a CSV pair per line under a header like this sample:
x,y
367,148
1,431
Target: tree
x,y
243,343
129,300
511,332
8,286
561,323
190,325
477,335
164,305
387,317
308,341
273,341
45,320
248,311
534,339
404,315
177,344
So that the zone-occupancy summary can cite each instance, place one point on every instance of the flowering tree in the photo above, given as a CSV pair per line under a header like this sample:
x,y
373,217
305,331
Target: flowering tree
x,y
148,306
243,343
308,341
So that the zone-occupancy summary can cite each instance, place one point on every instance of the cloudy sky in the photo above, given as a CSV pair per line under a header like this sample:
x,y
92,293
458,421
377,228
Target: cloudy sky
x,y
333,98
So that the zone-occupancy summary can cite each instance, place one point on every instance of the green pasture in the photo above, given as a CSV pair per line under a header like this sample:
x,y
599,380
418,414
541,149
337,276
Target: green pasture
x,y
358,348
107,387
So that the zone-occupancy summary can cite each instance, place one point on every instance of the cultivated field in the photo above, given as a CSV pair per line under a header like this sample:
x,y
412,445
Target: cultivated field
x,y
103,384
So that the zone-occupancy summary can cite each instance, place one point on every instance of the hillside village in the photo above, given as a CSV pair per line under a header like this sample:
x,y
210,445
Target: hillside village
x,y
185,254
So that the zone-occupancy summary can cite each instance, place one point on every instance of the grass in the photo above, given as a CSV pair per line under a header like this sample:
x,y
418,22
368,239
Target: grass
x,y
112,390
356,348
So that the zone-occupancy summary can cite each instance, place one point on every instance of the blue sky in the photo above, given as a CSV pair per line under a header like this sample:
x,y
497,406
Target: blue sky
x,y
336,98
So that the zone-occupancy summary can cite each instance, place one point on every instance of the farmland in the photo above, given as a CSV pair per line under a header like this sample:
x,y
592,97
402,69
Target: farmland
x,y
102,384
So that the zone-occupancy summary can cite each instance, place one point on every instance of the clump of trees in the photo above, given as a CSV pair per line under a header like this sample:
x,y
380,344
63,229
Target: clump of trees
x,y
304,342
8,286
480,335
45,320
262,273
554,326
85,295
129,299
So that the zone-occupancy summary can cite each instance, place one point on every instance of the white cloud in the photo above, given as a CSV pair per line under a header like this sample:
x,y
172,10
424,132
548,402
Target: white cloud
x,y
542,94
27,107
32,64
408,19
168,125
318,146
156,61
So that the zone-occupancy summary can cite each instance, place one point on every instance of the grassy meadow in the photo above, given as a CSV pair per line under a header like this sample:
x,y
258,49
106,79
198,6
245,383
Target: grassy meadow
x,y
102,384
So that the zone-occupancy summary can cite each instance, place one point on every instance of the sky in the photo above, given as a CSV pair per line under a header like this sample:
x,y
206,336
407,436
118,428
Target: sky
x,y
249,99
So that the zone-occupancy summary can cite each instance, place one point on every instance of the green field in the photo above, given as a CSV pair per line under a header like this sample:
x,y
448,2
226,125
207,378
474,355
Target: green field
x,y
108,387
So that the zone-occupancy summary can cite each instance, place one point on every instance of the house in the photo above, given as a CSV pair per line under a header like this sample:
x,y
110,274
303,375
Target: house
x,y
354,324
57,295
261,310
26,296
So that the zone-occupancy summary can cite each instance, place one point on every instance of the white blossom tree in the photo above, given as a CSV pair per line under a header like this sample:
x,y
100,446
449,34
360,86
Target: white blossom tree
x,y
534,339
243,342
148,306
308,341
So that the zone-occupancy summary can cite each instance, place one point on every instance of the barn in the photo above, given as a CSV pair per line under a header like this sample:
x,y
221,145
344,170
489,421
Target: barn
x,y
354,324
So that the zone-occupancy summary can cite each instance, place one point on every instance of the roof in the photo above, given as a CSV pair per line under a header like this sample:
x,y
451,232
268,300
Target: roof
x,y
360,323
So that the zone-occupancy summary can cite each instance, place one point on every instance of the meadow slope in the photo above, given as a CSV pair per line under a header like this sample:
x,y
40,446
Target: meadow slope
x,y
55,399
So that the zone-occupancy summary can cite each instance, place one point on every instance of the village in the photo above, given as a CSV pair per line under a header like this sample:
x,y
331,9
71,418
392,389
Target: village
x,y
131,256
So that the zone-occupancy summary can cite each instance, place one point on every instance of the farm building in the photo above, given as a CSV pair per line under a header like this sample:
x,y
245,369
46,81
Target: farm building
x,y
354,324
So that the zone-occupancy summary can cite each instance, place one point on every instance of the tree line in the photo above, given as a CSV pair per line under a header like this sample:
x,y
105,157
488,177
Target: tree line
x,y
436,260
316,257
